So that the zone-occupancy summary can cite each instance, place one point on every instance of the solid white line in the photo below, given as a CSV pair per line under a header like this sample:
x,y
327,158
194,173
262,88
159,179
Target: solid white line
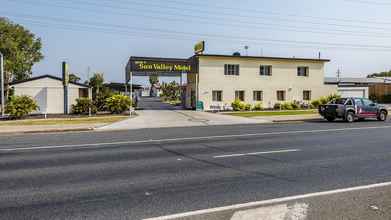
x,y
269,202
186,139
257,153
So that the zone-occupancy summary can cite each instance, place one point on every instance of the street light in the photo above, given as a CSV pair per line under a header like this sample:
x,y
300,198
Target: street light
x,y
2,83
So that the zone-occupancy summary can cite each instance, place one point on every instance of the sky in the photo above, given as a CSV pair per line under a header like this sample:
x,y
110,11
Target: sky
x,y
100,36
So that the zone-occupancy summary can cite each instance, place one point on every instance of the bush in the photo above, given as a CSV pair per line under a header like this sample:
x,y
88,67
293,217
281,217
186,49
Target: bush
x,y
295,105
20,106
238,105
247,107
258,107
324,100
118,104
315,104
277,106
286,106
83,106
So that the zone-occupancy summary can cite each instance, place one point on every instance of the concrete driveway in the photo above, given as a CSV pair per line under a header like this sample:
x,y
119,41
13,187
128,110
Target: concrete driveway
x,y
155,114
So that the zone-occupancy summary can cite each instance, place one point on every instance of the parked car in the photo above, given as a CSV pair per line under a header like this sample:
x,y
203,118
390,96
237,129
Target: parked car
x,y
351,109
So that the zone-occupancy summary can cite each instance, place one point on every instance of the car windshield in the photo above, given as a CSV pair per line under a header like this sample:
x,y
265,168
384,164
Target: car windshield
x,y
339,101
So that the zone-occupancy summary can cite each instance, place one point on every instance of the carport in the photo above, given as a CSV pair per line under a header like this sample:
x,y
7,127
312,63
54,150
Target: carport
x,y
165,67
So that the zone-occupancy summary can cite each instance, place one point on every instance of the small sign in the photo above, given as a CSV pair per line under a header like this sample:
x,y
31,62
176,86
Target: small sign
x,y
199,48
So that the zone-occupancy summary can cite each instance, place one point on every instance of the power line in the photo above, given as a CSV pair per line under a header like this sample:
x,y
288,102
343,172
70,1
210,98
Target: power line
x,y
219,13
241,38
241,25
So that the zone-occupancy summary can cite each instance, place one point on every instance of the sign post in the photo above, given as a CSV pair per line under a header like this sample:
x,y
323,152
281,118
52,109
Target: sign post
x,y
65,80
2,84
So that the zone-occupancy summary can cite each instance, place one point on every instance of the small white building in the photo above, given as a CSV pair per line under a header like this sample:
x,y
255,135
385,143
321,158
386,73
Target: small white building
x,y
48,91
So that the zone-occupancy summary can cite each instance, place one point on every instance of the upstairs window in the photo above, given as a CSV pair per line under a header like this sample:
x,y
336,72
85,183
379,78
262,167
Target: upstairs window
x,y
303,71
231,69
265,70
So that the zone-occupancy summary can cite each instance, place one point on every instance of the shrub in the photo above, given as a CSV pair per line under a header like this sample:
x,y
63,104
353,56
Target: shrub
x,y
20,106
315,104
247,107
118,104
277,106
286,106
258,107
238,105
83,106
295,105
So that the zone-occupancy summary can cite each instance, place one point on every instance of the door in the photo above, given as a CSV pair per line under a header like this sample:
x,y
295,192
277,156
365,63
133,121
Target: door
x,y
355,93
369,107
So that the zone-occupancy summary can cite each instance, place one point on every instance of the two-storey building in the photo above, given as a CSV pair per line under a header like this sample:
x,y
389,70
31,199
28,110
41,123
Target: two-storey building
x,y
217,80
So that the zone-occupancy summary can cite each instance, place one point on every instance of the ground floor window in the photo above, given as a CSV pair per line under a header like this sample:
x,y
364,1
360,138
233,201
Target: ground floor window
x,y
306,95
217,96
281,95
239,95
258,95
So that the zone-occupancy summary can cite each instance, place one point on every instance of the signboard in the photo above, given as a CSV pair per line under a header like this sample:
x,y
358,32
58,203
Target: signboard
x,y
199,48
160,65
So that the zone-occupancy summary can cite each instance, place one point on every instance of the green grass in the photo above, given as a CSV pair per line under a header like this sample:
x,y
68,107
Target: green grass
x,y
65,121
273,113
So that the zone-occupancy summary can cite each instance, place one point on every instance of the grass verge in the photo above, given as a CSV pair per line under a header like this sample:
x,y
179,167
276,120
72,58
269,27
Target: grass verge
x,y
65,121
273,113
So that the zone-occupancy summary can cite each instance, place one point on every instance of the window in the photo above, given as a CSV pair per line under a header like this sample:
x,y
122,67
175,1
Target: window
x,y
239,95
258,96
265,70
306,95
217,96
281,95
231,70
302,71
358,102
367,102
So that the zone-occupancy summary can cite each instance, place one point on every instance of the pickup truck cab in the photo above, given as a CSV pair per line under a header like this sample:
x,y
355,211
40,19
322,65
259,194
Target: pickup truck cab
x,y
351,109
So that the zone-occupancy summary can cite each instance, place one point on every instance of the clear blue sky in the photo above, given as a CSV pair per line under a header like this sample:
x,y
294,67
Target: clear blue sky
x,y
354,34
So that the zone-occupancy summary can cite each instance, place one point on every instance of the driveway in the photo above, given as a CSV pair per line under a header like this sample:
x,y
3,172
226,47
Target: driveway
x,y
155,114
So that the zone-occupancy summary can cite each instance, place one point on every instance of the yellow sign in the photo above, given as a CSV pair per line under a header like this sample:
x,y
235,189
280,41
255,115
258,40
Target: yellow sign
x,y
199,47
161,66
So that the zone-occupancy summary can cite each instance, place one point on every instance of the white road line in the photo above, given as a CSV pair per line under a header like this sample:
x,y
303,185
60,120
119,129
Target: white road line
x,y
107,144
257,153
269,202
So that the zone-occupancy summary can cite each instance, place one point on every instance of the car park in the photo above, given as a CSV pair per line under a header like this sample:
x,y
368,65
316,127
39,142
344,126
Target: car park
x,y
352,109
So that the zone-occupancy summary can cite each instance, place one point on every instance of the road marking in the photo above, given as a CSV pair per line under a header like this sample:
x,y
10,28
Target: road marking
x,y
187,139
269,202
257,153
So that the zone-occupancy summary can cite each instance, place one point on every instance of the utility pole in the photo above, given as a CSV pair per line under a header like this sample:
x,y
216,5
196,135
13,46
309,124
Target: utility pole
x,y
339,75
2,84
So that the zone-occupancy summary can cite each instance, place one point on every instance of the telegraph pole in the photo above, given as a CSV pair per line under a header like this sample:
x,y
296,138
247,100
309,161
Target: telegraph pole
x,y
2,84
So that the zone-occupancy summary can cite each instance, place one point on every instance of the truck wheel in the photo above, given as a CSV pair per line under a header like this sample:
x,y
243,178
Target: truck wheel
x,y
382,116
330,119
350,117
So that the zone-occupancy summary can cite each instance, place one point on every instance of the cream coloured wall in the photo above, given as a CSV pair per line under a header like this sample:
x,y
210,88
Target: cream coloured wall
x,y
49,94
284,77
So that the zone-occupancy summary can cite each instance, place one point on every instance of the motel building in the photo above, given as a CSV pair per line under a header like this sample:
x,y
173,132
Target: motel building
x,y
215,81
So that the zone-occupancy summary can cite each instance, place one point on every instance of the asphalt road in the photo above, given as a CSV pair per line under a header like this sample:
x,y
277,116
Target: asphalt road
x,y
153,172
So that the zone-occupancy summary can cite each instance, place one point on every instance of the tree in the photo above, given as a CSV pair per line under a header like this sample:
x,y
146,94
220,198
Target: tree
x,y
74,78
171,91
21,50
381,74
99,91
153,79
